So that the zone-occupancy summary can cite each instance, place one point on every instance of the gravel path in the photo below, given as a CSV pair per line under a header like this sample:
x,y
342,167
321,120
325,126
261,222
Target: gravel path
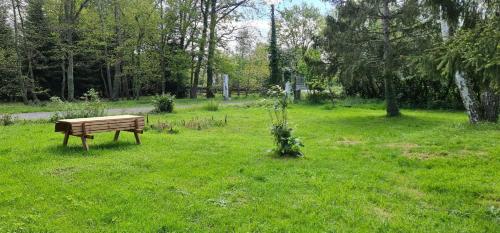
x,y
112,111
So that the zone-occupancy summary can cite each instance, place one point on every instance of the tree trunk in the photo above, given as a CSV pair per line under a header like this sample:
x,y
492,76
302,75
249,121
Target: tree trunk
x,y
63,81
70,77
29,55
211,48
205,5
118,62
135,82
162,50
490,105
108,81
390,96
103,80
31,87
19,69
468,97
68,37
136,85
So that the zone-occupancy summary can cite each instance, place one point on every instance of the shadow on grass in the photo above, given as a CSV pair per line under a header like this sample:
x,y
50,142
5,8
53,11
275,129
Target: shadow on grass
x,y
94,149
380,120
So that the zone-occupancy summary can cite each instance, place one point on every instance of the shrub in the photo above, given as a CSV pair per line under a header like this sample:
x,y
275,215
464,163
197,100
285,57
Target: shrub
x,y
6,119
164,103
92,106
317,97
212,106
287,144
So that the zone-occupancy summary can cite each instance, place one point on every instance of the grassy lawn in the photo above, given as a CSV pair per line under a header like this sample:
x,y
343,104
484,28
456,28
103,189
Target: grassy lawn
x,y
46,106
427,171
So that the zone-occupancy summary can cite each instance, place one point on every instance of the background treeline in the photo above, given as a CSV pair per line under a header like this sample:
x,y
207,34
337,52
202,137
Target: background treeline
x,y
123,48
412,53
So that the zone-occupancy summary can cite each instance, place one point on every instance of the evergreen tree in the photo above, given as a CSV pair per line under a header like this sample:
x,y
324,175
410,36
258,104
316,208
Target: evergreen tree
x,y
5,30
8,84
274,59
39,41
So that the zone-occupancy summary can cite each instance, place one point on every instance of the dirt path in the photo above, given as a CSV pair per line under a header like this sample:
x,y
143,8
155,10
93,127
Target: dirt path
x,y
115,111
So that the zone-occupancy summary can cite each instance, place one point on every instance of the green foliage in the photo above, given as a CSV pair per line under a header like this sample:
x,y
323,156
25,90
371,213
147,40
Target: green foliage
x,y
164,103
475,51
212,105
91,106
274,57
317,97
287,144
6,119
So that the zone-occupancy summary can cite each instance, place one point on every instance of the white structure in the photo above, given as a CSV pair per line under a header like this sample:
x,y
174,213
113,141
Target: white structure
x,y
288,90
225,87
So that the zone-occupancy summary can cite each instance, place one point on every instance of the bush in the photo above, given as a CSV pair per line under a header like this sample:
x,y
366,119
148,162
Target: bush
x,y
212,106
6,119
164,103
90,107
287,144
317,97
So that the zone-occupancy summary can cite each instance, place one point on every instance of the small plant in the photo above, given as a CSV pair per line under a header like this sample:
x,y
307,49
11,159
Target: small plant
x,y
287,144
212,106
6,119
164,103
161,127
92,106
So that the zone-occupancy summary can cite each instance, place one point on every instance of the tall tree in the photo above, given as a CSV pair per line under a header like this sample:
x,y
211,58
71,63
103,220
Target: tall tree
x,y
19,69
205,6
117,80
69,20
211,48
361,35
39,40
482,106
390,93
274,60
220,10
9,80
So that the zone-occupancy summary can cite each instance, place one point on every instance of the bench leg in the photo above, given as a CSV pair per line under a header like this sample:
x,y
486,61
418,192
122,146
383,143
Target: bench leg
x,y
66,137
137,138
84,143
117,134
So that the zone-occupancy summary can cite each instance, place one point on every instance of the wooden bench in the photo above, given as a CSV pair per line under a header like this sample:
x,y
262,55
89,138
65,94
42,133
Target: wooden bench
x,y
85,127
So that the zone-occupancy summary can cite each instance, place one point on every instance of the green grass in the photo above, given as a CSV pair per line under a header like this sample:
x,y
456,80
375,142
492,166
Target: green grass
x,y
427,171
46,106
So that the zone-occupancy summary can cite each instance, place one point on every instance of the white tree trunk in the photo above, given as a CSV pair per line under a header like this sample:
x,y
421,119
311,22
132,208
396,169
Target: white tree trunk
x,y
470,103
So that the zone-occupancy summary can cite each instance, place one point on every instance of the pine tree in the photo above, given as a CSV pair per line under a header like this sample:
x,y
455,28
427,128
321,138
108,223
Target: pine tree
x,y
39,41
5,30
8,84
37,26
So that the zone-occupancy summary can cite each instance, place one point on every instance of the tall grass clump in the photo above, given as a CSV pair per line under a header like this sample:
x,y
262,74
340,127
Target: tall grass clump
x,y
6,119
91,106
286,143
212,106
164,103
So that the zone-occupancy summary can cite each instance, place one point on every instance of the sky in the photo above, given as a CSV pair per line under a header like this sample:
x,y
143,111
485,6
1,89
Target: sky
x,y
260,21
